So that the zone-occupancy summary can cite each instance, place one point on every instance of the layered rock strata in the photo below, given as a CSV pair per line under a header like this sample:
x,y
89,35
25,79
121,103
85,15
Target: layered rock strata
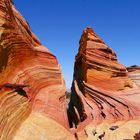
x,y
104,103
31,82
134,74
101,89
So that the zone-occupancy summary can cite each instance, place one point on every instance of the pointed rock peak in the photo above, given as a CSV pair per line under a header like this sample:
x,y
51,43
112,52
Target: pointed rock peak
x,y
101,89
89,30
91,41
89,34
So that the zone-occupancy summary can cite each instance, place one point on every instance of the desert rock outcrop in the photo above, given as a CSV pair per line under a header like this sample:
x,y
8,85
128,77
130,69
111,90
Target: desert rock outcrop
x,y
101,89
104,103
31,82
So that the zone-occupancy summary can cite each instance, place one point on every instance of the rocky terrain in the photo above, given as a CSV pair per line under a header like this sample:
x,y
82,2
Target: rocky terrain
x,y
104,100
32,88
102,92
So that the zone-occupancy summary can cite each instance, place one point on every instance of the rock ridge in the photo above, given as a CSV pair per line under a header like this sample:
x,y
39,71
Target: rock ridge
x,y
101,90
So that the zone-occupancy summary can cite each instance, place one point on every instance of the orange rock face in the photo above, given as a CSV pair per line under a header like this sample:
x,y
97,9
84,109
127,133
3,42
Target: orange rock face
x,y
30,81
104,103
101,89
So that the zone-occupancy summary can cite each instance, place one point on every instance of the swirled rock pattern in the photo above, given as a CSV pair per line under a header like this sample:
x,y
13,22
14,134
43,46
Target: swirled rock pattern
x,y
31,82
101,89
134,74
104,103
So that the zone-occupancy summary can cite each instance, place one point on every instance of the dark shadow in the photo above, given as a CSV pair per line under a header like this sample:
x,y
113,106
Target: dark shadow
x,y
17,88
21,92
4,55
75,103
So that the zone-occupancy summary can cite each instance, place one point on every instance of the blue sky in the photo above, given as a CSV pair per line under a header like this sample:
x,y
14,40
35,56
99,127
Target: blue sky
x,y
59,24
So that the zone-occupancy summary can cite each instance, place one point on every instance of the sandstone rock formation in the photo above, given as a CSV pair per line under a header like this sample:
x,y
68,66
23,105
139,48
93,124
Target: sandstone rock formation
x,y
134,74
101,90
104,103
32,88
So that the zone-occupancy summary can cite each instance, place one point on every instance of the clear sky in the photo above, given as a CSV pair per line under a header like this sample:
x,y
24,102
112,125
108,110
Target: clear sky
x,y
59,24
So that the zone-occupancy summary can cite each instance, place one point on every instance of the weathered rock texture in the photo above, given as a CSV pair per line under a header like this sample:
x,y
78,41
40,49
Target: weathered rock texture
x,y
31,83
32,88
120,130
101,89
134,74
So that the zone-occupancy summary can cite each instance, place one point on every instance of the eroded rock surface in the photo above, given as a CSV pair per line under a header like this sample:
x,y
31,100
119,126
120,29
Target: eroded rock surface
x,y
31,81
104,103
134,74
101,89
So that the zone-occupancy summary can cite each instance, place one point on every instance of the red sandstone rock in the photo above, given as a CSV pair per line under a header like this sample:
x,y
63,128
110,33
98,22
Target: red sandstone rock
x,y
101,89
32,88
31,83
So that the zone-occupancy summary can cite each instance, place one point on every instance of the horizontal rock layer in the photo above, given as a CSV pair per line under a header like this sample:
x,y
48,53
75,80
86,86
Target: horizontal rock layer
x,y
101,89
134,74
30,77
